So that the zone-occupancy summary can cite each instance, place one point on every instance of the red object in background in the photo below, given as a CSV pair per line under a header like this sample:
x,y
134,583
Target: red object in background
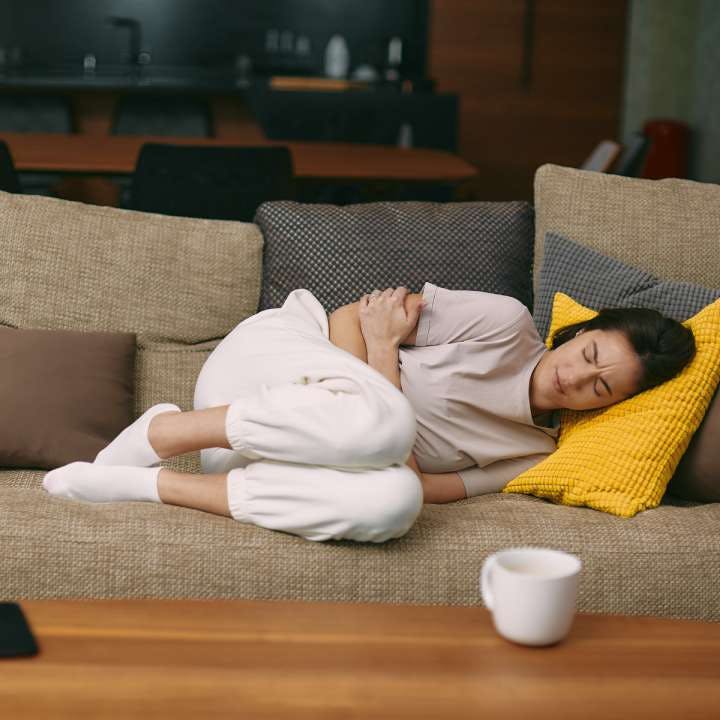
x,y
668,152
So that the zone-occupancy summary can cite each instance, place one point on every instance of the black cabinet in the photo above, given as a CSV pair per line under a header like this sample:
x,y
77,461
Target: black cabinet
x,y
360,116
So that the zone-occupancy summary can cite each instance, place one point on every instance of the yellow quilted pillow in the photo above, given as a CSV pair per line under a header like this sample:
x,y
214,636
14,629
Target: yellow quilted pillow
x,y
619,459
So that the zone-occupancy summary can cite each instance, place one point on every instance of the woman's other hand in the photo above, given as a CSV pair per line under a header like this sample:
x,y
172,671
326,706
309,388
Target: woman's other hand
x,y
383,318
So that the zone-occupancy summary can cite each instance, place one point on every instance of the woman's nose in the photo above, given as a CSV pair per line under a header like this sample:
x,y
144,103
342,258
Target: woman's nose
x,y
581,378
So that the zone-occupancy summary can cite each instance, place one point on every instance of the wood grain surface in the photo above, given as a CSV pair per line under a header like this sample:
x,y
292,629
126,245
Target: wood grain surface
x,y
279,659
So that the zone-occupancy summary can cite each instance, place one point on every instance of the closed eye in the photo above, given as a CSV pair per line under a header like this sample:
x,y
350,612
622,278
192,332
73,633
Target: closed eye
x,y
587,359
607,387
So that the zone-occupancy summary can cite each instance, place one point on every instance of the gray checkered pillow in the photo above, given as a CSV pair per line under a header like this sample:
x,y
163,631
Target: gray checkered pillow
x,y
598,281
340,252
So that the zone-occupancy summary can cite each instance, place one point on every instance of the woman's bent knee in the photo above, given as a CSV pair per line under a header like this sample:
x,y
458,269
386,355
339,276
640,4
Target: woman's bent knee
x,y
384,426
397,504
392,440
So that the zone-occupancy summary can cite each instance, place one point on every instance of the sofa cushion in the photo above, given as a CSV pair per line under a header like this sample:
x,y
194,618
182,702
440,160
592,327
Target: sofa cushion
x,y
163,373
598,280
668,227
619,459
65,394
340,252
68,265
663,562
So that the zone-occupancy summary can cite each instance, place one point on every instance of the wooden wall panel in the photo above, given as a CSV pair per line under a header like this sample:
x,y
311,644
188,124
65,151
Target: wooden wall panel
x,y
573,100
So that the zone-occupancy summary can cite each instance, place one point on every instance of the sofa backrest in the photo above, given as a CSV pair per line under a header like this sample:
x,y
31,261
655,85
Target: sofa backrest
x,y
69,265
667,227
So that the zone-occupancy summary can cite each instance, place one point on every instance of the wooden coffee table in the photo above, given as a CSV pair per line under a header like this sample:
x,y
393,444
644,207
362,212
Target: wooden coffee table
x,y
290,659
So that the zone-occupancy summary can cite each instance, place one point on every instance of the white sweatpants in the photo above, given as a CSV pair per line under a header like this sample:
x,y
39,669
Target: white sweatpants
x,y
319,438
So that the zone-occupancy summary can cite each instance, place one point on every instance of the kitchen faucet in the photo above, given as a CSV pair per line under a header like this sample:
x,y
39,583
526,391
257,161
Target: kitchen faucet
x,y
137,58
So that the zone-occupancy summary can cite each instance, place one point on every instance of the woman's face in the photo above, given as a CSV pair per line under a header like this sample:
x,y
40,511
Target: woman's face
x,y
594,369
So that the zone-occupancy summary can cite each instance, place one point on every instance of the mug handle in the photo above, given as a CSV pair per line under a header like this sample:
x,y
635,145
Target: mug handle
x,y
487,594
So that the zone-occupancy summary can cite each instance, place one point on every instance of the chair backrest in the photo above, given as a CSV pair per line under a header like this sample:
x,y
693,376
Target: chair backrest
x,y
217,182
631,161
8,177
602,158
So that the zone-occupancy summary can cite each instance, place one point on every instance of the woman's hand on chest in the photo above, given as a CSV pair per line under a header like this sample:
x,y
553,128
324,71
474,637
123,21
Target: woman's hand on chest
x,y
385,319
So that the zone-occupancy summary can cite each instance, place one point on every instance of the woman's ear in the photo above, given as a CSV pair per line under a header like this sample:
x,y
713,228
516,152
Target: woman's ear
x,y
579,331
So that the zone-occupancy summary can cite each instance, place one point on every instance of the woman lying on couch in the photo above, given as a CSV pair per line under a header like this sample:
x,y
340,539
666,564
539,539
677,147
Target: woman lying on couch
x,y
340,427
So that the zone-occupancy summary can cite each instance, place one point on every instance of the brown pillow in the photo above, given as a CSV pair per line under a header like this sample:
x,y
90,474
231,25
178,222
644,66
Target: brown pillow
x,y
64,394
697,477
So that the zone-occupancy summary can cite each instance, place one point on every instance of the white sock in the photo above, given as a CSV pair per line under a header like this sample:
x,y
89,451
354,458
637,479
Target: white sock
x,y
131,446
97,483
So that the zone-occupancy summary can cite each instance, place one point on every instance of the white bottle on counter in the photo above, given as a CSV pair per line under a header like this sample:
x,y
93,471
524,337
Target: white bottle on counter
x,y
405,136
337,57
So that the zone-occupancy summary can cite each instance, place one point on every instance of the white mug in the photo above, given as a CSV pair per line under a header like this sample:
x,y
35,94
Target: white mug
x,y
531,593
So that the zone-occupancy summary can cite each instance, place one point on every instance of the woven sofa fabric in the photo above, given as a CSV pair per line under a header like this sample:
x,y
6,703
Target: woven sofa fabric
x,y
341,252
670,227
72,266
663,562
168,373
597,281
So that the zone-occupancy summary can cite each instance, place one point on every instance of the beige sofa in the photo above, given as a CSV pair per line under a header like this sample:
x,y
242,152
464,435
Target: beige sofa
x,y
181,284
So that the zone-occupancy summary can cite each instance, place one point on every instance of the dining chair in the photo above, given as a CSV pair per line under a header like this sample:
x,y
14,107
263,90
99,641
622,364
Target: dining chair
x,y
217,182
8,176
602,158
631,160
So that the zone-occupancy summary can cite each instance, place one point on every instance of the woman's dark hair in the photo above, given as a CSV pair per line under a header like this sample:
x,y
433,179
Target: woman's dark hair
x,y
663,345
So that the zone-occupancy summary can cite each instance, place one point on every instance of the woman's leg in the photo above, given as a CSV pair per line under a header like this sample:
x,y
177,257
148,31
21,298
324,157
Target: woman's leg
x,y
172,434
335,421
199,492
317,503
164,431
322,503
